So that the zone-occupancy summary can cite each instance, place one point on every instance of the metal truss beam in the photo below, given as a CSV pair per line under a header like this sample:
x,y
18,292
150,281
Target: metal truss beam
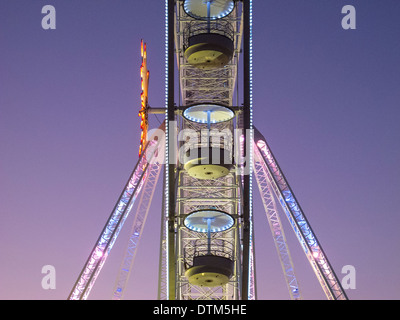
x,y
139,221
196,86
271,211
301,227
111,230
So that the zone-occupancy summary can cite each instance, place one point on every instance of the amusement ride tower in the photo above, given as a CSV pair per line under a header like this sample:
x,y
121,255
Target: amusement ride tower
x,y
210,151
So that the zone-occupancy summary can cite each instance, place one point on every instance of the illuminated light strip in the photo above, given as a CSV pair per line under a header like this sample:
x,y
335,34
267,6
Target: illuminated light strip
x,y
229,114
140,217
250,294
112,228
222,14
263,180
314,253
166,167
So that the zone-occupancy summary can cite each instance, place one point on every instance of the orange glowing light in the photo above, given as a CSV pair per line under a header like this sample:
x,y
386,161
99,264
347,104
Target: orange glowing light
x,y
143,113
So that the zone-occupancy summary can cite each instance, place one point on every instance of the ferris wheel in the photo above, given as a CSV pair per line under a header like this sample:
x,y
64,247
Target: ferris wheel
x,y
211,151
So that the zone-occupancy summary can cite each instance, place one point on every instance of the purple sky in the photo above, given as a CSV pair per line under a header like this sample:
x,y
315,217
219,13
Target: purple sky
x,y
326,99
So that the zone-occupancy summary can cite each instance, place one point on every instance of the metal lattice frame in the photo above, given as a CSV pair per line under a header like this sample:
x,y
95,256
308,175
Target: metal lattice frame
x,y
196,86
139,221
308,241
231,193
162,293
193,195
199,85
208,86
271,211
111,230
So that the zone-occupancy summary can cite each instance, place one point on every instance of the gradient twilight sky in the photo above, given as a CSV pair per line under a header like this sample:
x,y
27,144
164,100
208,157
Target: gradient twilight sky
x,y
326,99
